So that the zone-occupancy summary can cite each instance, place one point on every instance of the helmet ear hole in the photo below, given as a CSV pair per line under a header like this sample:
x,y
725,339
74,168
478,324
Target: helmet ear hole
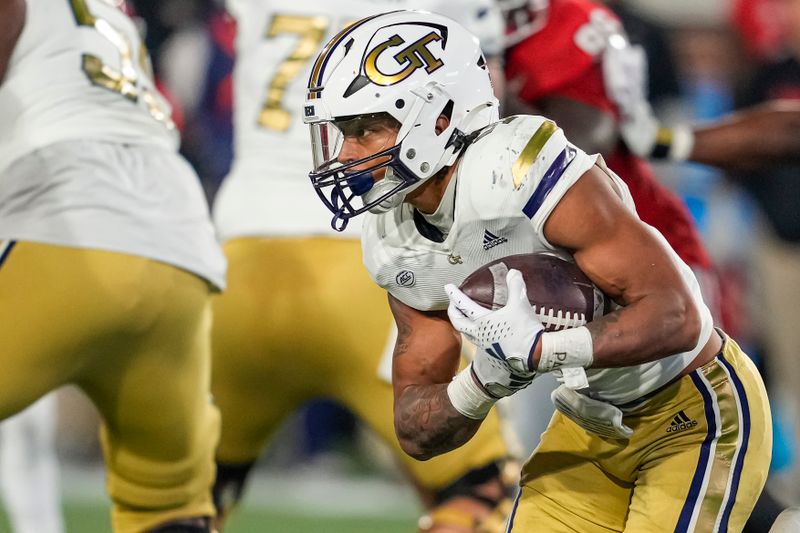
x,y
447,112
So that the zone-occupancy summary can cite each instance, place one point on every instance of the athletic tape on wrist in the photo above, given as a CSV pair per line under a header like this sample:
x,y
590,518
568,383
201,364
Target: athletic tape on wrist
x,y
468,397
675,144
567,348
682,143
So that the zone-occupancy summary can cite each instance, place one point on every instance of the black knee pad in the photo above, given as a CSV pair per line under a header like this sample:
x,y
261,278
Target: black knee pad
x,y
466,485
472,486
229,485
764,514
189,525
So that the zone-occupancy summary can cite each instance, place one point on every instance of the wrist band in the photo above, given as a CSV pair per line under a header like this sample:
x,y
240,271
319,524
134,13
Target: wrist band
x,y
567,348
468,397
674,143
682,143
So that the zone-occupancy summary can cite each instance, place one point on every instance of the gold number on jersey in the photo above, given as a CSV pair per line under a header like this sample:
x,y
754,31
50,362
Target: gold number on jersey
x,y
122,81
311,31
125,79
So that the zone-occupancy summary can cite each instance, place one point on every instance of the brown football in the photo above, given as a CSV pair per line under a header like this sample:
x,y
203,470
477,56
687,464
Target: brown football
x,y
563,296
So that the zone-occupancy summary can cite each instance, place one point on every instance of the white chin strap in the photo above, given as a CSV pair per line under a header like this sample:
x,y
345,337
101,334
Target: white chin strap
x,y
389,182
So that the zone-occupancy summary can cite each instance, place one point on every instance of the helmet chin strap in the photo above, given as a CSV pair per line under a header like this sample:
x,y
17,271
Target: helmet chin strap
x,y
389,182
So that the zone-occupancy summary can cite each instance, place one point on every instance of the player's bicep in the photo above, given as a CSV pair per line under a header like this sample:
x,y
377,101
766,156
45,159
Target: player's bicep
x,y
12,20
610,244
427,349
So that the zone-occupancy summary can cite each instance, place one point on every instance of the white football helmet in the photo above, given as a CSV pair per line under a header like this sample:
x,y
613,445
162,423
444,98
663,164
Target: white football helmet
x,y
523,18
413,66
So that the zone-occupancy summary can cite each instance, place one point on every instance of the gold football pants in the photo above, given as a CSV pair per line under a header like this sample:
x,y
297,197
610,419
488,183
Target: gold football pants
x,y
301,319
133,335
697,461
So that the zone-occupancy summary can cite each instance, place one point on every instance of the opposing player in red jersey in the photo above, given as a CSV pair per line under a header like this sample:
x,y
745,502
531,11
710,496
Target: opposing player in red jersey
x,y
558,70
570,61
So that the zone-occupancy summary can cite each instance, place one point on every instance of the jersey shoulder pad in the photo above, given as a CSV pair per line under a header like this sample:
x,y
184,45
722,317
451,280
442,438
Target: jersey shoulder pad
x,y
505,161
515,168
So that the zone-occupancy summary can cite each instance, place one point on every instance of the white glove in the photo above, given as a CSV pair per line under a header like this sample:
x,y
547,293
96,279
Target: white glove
x,y
597,417
640,130
507,334
497,377
474,390
625,77
646,137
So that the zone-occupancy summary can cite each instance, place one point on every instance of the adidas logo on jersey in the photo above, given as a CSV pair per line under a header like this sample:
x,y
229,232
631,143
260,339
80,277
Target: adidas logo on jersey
x,y
681,422
490,240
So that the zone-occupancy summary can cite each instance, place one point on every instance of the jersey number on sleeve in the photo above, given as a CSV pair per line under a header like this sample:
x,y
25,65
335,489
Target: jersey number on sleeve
x,y
310,31
130,79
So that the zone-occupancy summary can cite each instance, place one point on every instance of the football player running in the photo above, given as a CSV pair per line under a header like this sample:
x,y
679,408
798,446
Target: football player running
x,y
278,337
571,60
663,422
108,257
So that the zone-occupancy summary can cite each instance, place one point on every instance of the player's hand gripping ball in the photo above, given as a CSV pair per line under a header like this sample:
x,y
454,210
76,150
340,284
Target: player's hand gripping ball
x,y
504,307
560,293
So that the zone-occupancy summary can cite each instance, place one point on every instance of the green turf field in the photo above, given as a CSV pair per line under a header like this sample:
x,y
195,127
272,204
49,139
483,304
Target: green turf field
x,y
277,501
89,518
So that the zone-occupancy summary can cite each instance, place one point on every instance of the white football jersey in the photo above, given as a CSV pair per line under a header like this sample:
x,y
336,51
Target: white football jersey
x,y
506,185
88,153
79,71
268,191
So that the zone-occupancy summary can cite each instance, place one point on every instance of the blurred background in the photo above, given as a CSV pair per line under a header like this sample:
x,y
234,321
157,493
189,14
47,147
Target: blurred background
x,y
707,58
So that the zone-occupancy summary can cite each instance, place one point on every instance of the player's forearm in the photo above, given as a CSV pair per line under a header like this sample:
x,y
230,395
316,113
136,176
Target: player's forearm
x,y
765,135
712,148
427,424
654,327
729,146
12,20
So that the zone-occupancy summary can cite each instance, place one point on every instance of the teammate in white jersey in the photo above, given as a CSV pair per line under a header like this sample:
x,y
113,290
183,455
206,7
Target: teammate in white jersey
x,y
28,465
662,423
108,257
276,340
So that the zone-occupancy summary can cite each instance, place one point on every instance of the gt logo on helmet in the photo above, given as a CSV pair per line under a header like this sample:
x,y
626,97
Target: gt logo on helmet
x,y
414,56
